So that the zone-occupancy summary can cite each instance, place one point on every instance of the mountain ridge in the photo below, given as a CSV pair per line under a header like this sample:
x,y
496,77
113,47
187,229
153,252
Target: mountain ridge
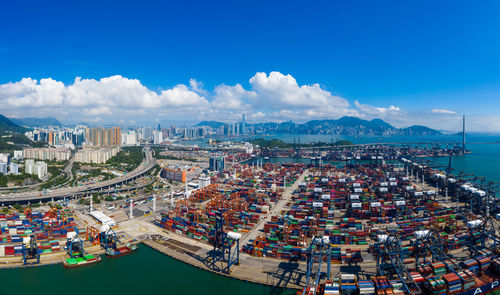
x,y
343,126
7,125
36,122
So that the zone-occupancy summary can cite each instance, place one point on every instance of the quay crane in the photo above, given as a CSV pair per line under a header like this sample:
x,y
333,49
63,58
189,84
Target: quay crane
x,y
430,242
30,251
76,253
390,261
484,234
108,239
318,251
223,256
74,246
109,242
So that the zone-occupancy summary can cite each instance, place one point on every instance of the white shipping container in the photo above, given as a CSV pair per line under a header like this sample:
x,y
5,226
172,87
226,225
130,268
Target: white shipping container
x,y
317,204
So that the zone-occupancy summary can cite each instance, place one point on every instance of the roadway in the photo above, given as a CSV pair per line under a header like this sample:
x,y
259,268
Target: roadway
x,y
66,170
277,208
67,192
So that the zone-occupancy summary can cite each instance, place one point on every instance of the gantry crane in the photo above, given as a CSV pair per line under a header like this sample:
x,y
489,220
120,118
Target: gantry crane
x,y
318,251
74,247
390,262
430,243
108,239
30,251
484,234
224,254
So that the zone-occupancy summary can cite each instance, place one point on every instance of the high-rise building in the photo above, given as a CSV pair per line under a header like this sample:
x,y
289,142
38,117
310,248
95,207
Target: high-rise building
x,y
99,136
14,168
18,155
217,163
243,124
40,169
147,133
95,155
29,166
157,137
58,154
50,138
129,138
4,158
3,168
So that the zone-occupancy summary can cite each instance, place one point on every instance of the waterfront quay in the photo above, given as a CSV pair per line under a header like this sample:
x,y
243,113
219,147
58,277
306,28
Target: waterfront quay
x,y
351,207
272,223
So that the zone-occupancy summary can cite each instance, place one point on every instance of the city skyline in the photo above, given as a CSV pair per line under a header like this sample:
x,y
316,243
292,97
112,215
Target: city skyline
x,y
184,63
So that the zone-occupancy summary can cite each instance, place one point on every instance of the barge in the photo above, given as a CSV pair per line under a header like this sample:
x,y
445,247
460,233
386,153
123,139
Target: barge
x,y
114,253
81,261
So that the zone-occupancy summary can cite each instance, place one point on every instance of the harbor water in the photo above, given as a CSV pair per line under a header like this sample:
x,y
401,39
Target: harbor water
x,y
144,272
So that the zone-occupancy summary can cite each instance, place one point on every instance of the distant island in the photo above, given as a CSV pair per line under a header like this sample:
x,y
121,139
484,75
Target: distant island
x,y
343,126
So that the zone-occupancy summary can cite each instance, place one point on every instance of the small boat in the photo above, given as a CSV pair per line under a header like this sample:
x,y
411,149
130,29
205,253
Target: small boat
x,y
81,261
114,253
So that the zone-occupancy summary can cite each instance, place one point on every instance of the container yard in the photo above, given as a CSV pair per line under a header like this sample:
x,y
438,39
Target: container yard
x,y
385,223
360,228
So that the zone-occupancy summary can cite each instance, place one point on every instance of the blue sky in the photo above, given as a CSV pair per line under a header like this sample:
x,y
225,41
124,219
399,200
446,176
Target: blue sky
x,y
415,56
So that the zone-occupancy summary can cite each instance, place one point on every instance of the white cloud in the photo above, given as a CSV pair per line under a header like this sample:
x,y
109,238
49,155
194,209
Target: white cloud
x,y
269,97
101,110
372,112
197,86
30,92
442,111
278,91
232,97
110,96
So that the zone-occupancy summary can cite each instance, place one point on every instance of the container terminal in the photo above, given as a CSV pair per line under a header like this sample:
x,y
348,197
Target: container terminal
x,y
390,223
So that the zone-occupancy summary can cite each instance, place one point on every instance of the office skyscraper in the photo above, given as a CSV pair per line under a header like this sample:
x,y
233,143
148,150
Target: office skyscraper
x,y
243,123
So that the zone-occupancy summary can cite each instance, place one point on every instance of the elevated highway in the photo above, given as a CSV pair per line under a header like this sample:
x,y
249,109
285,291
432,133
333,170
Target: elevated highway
x,y
146,165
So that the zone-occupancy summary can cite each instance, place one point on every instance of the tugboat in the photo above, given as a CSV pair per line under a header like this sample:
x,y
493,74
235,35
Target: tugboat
x,y
114,253
109,241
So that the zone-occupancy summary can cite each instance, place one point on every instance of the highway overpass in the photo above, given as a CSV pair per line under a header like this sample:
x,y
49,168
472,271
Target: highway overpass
x,y
145,167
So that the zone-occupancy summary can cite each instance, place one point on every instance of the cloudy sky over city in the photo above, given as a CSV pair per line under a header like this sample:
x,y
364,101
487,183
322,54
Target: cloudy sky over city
x,y
184,62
